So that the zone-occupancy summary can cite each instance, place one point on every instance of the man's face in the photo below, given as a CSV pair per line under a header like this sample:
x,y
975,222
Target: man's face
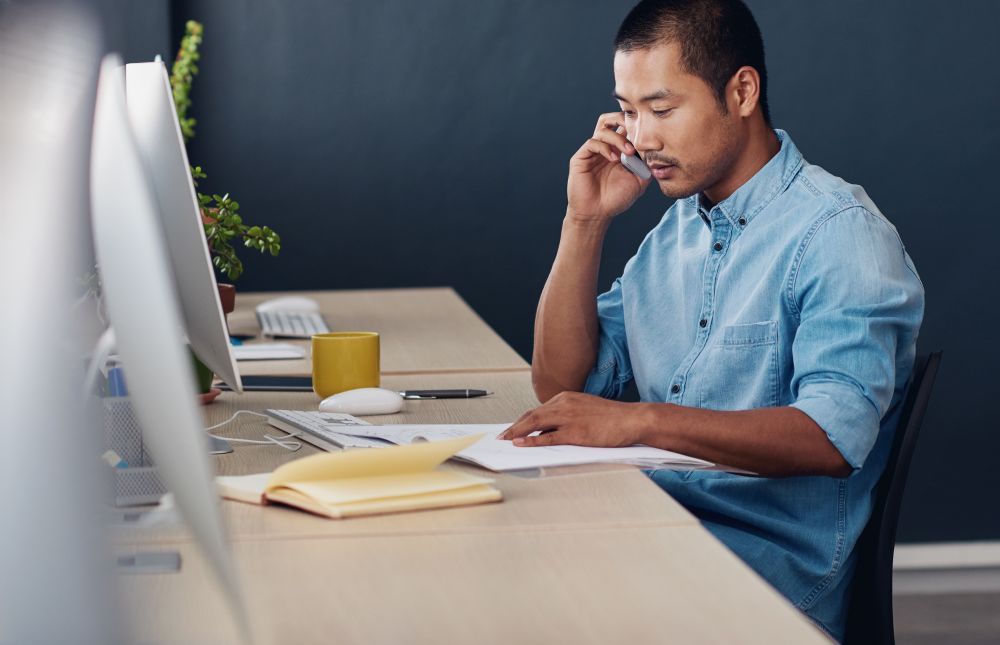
x,y
675,121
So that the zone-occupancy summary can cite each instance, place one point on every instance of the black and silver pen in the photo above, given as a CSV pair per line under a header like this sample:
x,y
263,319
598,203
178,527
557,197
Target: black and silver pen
x,y
443,394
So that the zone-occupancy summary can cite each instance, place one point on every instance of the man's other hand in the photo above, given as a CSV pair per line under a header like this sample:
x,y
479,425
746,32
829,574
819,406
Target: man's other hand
x,y
580,420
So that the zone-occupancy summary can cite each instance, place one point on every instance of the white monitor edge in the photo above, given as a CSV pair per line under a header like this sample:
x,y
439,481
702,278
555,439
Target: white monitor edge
x,y
157,132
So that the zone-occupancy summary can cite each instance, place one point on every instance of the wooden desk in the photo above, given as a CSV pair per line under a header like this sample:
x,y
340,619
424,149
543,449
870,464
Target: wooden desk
x,y
422,330
597,585
580,496
595,557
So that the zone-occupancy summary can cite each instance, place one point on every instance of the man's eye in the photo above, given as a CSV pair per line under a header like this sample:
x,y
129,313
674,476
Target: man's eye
x,y
629,114
662,113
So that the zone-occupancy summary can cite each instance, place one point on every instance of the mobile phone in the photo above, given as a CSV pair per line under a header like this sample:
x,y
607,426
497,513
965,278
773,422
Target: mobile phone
x,y
274,384
636,166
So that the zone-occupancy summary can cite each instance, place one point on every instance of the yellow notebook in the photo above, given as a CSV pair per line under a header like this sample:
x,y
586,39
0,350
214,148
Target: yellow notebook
x,y
367,481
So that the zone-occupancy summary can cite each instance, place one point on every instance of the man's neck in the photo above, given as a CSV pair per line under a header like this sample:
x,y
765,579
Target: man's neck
x,y
763,146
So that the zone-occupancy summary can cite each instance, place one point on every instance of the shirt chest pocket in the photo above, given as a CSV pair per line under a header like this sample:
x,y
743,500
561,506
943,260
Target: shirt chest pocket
x,y
739,368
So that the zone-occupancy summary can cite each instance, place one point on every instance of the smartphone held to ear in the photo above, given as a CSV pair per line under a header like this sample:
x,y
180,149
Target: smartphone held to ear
x,y
636,166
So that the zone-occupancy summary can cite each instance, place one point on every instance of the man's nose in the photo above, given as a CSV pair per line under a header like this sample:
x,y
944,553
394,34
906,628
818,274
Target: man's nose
x,y
641,136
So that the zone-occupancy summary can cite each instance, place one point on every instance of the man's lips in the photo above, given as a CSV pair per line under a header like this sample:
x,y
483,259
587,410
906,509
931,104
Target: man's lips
x,y
662,171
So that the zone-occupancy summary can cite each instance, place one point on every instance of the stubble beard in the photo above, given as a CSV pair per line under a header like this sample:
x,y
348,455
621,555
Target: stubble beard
x,y
703,176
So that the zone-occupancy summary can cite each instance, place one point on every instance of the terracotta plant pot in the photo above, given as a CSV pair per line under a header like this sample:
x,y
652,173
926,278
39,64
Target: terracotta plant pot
x,y
227,294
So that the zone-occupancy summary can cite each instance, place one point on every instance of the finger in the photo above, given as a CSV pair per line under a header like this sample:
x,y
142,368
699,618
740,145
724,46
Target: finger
x,y
524,416
536,420
504,435
612,120
551,438
622,131
519,428
617,140
593,148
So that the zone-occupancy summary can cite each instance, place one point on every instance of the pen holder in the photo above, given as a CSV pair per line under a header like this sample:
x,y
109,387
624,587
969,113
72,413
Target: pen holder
x,y
138,483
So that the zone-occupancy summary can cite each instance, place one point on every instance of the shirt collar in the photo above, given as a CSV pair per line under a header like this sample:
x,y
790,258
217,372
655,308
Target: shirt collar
x,y
770,181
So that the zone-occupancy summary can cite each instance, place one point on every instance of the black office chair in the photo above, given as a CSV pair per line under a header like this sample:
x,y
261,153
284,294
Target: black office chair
x,y
869,616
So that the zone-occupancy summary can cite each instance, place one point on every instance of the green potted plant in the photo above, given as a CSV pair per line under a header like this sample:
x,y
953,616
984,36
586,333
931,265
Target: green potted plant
x,y
220,213
223,223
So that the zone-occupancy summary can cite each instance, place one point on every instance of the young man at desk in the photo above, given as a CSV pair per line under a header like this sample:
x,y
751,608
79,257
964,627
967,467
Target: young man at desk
x,y
768,321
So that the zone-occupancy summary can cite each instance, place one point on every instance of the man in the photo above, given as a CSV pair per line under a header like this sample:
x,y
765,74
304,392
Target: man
x,y
768,321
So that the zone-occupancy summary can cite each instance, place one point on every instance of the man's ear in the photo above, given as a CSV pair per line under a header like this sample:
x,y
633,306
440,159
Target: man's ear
x,y
743,91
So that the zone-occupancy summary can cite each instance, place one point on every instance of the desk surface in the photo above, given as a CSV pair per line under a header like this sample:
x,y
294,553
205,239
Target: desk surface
x,y
580,496
591,557
422,330
600,585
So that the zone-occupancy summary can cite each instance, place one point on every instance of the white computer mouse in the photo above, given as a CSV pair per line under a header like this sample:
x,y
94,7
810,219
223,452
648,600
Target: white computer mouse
x,y
363,401
289,303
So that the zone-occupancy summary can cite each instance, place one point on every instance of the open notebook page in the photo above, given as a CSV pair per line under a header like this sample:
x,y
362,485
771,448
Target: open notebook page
x,y
499,455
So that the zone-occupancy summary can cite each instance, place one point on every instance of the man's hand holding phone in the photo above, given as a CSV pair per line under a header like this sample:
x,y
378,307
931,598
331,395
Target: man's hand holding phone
x,y
600,186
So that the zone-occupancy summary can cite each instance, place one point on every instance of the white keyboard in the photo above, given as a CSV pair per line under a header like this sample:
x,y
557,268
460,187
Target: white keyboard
x,y
320,428
293,324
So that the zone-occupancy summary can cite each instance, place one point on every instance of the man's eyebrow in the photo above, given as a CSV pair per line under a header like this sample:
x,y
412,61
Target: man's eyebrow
x,y
659,94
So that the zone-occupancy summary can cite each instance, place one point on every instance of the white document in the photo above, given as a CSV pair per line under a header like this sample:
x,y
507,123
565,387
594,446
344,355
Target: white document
x,y
499,456
268,352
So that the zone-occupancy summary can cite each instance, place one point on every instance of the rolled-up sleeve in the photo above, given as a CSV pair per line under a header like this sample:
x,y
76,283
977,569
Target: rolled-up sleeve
x,y
860,304
613,370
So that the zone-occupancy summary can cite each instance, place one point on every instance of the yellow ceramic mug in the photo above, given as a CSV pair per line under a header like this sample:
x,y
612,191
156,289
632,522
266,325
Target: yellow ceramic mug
x,y
344,360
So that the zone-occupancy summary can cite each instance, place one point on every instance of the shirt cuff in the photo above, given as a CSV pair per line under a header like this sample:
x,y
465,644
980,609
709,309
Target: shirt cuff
x,y
848,418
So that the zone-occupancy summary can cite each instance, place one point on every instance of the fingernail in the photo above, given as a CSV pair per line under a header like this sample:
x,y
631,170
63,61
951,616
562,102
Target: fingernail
x,y
519,442
629,147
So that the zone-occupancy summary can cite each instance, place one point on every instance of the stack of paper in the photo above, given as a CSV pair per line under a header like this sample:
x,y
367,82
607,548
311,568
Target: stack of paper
x,y
500,456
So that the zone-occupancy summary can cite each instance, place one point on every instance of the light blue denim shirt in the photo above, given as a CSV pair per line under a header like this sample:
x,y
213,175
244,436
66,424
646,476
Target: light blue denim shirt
x,y
794,291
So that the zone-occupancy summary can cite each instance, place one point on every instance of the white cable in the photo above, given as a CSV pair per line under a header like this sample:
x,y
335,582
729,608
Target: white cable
x,y
232,418
278,441
82,299
100,309
105,345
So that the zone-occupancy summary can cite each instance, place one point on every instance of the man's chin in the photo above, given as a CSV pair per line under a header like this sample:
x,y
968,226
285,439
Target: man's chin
x,y
673,190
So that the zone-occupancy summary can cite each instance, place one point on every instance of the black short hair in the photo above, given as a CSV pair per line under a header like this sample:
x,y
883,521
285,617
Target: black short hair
x,y
716,38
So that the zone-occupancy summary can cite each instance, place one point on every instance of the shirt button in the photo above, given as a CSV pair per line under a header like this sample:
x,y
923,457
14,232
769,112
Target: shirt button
x,y
702,323
718,246
742,221
675,388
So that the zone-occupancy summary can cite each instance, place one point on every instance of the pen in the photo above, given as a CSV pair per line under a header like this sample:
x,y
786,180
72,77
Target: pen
x,y
442,394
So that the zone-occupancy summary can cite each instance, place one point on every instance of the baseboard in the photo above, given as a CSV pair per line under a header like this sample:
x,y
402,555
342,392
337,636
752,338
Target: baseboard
x,y
946,568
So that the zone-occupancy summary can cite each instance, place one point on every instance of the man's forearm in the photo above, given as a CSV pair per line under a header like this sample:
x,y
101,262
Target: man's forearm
x,y
566,327
774,442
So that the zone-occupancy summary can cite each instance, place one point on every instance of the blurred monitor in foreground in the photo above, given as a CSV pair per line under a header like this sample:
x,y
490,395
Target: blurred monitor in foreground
x,y
55,563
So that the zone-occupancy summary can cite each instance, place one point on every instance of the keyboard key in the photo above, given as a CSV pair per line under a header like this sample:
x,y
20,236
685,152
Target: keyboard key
x,y
291,324
319,428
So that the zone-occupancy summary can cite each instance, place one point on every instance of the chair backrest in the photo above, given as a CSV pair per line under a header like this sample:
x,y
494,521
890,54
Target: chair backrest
x,y
869,617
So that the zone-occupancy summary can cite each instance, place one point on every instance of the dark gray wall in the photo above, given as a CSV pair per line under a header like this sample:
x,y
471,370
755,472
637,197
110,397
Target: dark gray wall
x,y
404,143
138,30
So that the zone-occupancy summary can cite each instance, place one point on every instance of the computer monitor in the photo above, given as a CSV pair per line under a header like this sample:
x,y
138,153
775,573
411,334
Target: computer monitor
x,y
55,579
141,302
157,133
